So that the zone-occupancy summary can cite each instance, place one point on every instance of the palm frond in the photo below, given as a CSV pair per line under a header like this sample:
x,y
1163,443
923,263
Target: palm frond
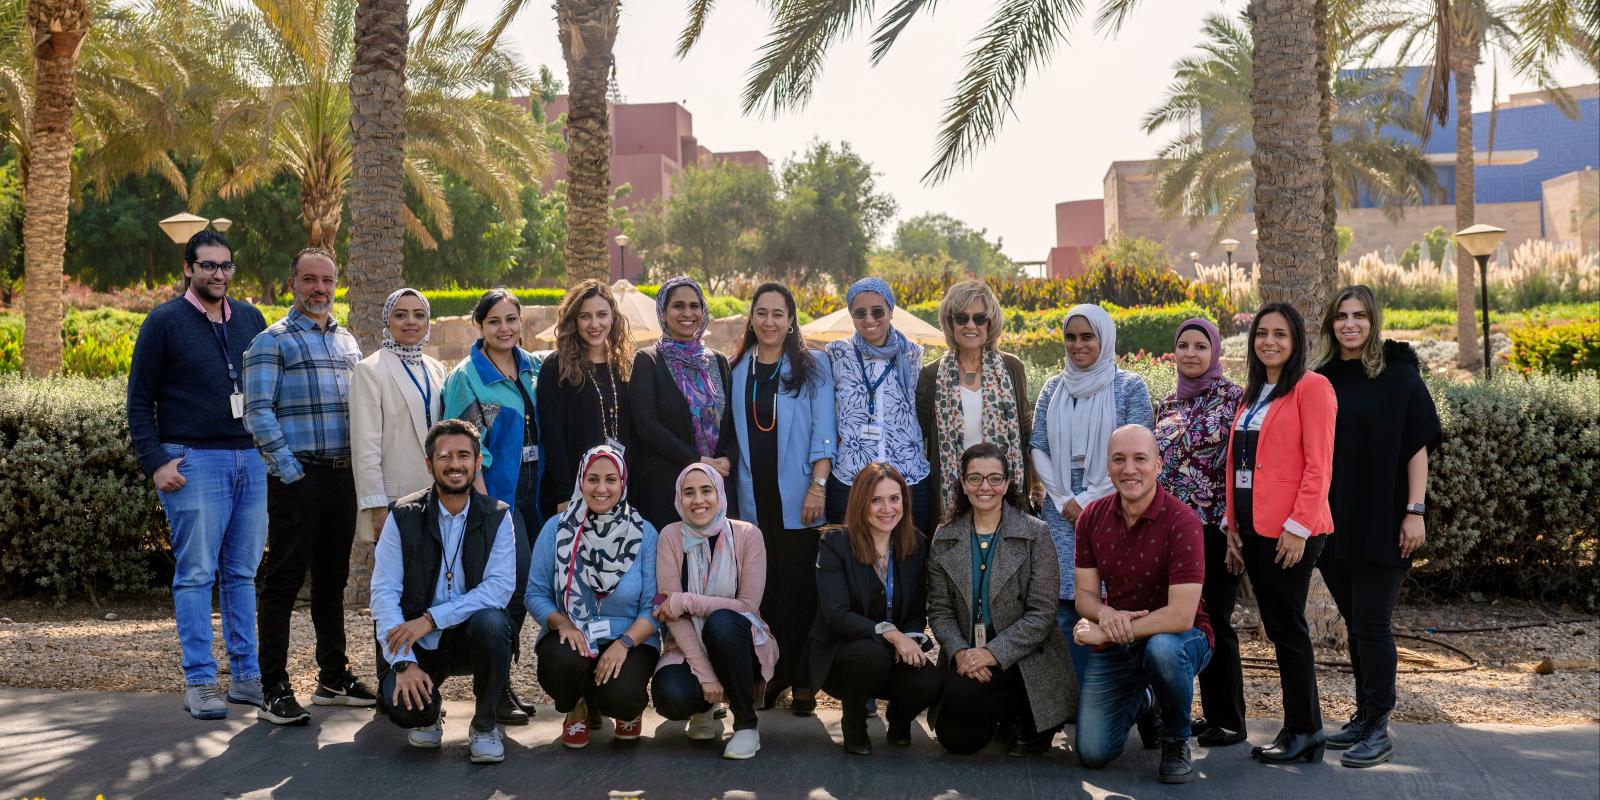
x,y
894,23
790,60
699,12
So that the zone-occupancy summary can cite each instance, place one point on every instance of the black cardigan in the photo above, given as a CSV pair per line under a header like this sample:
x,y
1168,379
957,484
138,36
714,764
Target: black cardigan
x,y
927,386
570,422
664,437
850,601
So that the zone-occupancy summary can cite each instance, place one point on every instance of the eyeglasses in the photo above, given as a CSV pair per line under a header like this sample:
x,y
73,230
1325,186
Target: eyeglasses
x,y
975,480
962,318
877,312
210,267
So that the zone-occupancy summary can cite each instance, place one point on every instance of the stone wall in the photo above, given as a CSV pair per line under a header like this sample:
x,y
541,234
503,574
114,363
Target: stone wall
x,y
1569,209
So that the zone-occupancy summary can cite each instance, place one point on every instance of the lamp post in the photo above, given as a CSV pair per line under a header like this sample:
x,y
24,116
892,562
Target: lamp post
x,y
622,242
182,227
1194,259
1228,246
1479,241
222,224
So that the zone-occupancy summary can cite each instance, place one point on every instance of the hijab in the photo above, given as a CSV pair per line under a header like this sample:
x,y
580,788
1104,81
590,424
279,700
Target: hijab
x,y
909,353
1188,387
1082,429
713,573
693,369
408,353
607,543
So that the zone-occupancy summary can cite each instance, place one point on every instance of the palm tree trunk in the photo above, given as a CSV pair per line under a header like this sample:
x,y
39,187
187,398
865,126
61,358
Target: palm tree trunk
x,y
1290,159
588,32
58,28
1469,355
321,203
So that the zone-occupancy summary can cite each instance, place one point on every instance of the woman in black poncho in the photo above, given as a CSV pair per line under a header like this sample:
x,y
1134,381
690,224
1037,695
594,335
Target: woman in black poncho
x,y
1386,426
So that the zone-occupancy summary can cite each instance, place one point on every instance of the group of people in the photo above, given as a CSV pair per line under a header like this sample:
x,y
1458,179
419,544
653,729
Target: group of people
x,y
851,520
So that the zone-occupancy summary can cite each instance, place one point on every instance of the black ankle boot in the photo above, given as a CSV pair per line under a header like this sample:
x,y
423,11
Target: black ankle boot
x,y
1298,747
1374,748
854,727
507,711
802,702
1353,731
1175,766
1277,741
899,727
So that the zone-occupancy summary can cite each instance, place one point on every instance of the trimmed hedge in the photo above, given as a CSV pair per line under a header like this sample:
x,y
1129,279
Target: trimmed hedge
x,y
1567,349
1036,336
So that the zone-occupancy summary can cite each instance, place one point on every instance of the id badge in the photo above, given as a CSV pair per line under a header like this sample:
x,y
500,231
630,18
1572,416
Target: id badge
x,y
530,452
614,445
1243,479
980,636
236,403
597,631
871,432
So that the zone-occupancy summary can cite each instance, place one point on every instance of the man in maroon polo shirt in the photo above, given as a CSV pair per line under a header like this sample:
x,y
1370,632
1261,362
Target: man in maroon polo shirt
x,y
1149,637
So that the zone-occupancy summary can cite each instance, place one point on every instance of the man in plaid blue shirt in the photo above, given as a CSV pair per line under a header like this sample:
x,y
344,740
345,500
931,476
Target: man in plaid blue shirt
x,y
297,408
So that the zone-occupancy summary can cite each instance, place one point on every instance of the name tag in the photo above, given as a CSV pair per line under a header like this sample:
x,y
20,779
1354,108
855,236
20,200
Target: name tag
x,y
530,452
1243,479
236,404
871,432
980,635
597,631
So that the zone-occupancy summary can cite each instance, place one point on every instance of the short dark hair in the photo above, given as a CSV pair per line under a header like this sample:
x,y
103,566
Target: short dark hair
x,y
451,427
961,505
489,300
202,239
294,266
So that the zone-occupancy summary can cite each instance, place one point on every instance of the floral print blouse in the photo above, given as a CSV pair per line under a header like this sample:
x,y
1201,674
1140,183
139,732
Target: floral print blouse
x,y
1193,437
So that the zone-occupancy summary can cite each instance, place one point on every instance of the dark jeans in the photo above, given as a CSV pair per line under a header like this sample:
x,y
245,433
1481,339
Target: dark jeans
x,y
1281,597
311,524
1114,693
790,602
1222,681
864,668
731,649
568,676
971,711
1366,595
517,608
480,647
838,499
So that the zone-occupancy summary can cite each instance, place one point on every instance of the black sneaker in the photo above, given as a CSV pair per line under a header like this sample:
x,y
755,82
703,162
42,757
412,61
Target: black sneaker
x,y
280,708
344,691
1175,766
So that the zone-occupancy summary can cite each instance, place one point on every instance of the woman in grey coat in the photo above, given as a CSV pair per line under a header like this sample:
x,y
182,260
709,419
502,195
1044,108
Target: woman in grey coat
x,y
992,591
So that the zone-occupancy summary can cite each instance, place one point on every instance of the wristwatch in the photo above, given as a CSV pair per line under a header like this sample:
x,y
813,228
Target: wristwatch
x,y
402,666
627,641
1417,508
820,483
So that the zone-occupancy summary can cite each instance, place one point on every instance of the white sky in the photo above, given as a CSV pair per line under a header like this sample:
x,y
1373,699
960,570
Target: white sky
x,y
1072,120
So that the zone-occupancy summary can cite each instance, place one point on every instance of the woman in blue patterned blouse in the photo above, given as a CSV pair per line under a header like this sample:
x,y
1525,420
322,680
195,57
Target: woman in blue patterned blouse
x,y
1072,424
1192,429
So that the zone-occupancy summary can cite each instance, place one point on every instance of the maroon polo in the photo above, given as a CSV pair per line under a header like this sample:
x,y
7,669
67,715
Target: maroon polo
x,y
1164,547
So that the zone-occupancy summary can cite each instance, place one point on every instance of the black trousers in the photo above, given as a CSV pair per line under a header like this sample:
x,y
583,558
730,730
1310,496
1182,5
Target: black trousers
x,y
730,647
311,524
790,602
1222,681
1366,595
972,711
568,676
837,500
1281,596
480,647
864,668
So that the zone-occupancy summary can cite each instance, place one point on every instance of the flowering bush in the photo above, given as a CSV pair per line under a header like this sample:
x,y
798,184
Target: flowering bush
x,y
1567,349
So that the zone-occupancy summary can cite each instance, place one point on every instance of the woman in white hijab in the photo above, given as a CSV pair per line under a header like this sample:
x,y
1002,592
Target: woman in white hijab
x,y
1072,424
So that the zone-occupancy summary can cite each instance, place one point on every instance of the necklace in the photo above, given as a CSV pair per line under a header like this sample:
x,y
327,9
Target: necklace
x,y
608,411
772,412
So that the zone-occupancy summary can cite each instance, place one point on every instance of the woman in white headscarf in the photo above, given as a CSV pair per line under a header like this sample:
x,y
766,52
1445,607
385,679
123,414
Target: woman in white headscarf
x,y
1072,424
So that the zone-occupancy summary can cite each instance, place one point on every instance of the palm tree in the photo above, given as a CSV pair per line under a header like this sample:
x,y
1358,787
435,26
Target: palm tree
x,y
1533,35
1205,170
377,155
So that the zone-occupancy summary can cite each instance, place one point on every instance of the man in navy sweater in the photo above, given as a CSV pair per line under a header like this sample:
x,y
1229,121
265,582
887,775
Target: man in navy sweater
x,y
186,418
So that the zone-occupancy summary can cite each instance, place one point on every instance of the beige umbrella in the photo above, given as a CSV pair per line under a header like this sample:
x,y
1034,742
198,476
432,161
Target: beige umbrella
x,y
638,308
838,325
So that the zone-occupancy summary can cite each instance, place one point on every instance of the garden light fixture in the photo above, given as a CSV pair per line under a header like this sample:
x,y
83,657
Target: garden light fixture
x,y
1479,241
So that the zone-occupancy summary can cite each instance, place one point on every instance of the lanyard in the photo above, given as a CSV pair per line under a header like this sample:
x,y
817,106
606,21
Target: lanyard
x,y
572,567
888,584
873,384
1246,457
450,565
986,562
219,331
424,388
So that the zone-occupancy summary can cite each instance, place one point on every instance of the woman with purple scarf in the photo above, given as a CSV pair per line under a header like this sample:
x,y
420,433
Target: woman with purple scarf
x,y
1192,430
678,397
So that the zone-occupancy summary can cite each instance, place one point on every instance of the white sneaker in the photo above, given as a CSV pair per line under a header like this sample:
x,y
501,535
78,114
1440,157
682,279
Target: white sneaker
x,y
486,746
743,745
704,727
430,737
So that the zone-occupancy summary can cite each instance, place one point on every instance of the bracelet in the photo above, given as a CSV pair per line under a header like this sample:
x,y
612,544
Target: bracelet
x,y
432,623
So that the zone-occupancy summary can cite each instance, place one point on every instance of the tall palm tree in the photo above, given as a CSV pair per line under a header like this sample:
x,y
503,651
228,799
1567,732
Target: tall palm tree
x,y
1205,170
1533,35
377,155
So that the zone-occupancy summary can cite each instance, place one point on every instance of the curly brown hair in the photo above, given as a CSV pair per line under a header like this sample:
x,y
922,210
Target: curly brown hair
x,y
570,349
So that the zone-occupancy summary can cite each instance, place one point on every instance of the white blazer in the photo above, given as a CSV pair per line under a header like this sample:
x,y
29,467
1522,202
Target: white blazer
x,y
388,425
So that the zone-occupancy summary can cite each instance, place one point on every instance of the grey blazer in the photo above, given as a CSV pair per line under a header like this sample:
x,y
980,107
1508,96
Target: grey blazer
x,y
1022,606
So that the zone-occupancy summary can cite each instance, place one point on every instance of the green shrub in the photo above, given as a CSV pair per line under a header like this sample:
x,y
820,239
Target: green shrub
x,y
1560,349
77,515
1037,335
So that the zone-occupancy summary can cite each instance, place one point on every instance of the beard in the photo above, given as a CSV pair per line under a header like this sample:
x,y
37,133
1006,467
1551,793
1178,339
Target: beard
x,y
314,307
445,488
202,287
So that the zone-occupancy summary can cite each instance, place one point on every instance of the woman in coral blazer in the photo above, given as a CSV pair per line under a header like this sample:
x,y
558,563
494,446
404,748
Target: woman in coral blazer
x,y
1280,464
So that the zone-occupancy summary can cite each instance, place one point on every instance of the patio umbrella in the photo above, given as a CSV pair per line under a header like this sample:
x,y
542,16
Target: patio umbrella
x,y
838,325
638,308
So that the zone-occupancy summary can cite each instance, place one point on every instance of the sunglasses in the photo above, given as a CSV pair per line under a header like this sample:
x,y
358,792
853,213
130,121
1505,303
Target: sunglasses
x,y
877,312
210,267
974,480
962,318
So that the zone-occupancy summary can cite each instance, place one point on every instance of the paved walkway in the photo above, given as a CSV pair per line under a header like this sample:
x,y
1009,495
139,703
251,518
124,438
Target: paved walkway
x,y
79,744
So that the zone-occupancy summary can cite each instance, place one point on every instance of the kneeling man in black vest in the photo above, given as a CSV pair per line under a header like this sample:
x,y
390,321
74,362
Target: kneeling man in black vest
x,y
444,570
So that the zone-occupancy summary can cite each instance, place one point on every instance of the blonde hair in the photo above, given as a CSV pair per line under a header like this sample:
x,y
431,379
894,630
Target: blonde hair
x,y
957,298
570,349
1372,350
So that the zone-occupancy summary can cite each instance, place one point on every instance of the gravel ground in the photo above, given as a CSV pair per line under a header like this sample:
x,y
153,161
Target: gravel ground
x,y
77,648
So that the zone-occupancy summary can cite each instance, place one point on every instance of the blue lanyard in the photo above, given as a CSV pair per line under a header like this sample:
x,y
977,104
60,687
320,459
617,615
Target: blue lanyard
x,y
219,331
1254,409
888,584
424,388
873,384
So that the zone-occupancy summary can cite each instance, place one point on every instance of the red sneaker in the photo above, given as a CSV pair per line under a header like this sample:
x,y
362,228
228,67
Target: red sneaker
x,y
627,730
576,734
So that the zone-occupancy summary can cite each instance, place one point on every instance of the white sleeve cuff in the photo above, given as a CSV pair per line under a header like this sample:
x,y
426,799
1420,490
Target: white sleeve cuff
x,y
372,501
1290,526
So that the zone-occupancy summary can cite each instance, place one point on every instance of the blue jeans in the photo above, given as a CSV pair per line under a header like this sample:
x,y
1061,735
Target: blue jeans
x,y
1066,618
218,520
1114,693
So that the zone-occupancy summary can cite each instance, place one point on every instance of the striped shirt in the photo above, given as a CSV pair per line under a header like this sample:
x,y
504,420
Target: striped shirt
x,y
297,392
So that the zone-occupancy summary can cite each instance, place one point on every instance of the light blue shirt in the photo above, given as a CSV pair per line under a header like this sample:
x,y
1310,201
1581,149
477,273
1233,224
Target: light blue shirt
x,y
452,603
628,601
899,441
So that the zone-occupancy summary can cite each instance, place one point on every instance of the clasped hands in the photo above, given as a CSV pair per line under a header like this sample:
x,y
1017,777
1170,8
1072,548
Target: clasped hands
x,y
975,663
1116,627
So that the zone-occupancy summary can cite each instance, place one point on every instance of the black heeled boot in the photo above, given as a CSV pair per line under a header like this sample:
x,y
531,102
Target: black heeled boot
x,y
1373,749
1277,742
853,724
899,727
802,702
1299,747
1353,731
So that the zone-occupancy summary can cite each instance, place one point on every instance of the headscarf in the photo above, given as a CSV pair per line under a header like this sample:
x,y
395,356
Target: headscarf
x,y
607,544
408,353
714,573
909,352
1193,387
1083,430
693,369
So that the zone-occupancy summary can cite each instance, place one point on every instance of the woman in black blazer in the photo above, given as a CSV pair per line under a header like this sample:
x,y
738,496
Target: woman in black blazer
x,y
868,638
678,398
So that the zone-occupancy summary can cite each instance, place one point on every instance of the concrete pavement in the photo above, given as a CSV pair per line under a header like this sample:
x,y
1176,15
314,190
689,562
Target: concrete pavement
x,y
120,745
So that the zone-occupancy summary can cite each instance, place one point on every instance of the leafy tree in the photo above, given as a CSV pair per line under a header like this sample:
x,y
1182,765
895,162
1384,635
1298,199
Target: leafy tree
x,y
482,251
1346,236
266,234
117,241
712,224
543,251
942,234
1129,251
895,265
830,213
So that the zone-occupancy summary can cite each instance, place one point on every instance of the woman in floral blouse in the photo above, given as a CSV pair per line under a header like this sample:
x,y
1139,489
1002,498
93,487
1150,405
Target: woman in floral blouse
x,y
1192,428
